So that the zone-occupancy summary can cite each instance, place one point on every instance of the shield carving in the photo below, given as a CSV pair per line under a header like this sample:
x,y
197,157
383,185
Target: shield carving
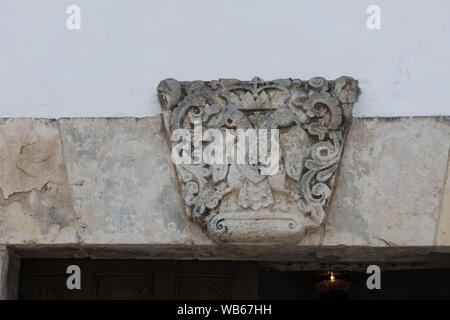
x,y
235,202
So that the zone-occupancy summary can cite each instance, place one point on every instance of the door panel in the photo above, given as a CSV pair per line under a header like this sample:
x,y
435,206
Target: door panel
x,y
138,279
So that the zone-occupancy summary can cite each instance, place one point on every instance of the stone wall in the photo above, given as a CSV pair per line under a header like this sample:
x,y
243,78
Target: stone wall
x,y
105,187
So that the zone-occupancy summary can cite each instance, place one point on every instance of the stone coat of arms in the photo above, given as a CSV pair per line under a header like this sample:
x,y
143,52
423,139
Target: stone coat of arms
x,y
235,203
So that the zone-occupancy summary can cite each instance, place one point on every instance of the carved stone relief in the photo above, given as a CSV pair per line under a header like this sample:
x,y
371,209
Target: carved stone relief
x,y
235,203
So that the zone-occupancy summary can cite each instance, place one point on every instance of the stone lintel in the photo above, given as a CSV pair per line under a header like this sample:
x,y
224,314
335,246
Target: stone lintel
x,y
105,187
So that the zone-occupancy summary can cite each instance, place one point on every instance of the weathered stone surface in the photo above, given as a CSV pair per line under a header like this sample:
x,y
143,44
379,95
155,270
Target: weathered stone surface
x,y
123,184
389,191
443,235
30,155
258,201
389,185
35,201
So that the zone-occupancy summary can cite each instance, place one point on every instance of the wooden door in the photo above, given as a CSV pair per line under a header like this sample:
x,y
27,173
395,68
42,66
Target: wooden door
x,y
138,279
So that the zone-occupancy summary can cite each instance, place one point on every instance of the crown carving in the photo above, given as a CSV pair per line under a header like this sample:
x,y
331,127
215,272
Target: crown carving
x,y
256,95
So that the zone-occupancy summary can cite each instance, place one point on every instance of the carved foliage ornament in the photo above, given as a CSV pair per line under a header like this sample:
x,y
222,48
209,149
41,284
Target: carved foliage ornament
x,y
234,202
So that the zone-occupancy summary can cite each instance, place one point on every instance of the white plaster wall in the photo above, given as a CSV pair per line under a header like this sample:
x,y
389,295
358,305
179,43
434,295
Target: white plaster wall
x,y
111,67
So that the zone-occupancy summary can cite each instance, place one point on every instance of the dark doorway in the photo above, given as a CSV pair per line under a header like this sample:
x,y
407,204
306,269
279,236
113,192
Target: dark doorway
x,y
420,284
139,279
179,279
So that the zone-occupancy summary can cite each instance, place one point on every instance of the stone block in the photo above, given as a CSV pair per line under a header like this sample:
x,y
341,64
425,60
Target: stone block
x,y
35,201
123,183
389,185
443,235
